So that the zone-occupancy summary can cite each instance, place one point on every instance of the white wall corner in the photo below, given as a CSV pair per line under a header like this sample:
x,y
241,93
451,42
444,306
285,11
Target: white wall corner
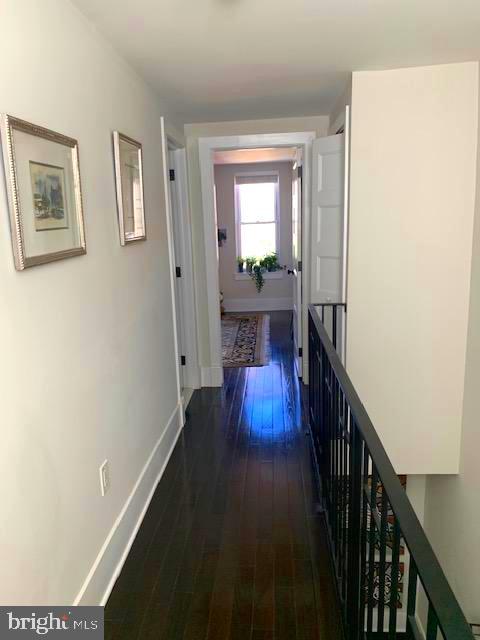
x,y
416,492
109,562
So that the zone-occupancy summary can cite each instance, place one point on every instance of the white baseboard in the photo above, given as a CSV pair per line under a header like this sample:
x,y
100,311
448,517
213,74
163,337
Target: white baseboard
x,y
109,562
212,376
258,304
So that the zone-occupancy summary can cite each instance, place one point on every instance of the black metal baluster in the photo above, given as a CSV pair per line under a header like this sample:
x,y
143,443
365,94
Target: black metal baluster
x,y
371,551
345,490
382,563
412,596
324,430
336,466
326,427
363,536
355,485
334,325
341,500
394,569
332,447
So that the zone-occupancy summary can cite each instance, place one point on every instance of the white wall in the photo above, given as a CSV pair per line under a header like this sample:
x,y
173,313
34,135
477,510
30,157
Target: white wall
x,y
452,518
192,133
413,151
244,290
87,365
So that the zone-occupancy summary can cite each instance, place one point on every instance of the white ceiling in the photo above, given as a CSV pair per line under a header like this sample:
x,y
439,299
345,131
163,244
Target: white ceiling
x,y
212,60
245,156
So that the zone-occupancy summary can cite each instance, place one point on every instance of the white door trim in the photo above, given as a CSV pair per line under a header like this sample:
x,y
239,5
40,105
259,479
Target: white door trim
x,y
207,146
346,214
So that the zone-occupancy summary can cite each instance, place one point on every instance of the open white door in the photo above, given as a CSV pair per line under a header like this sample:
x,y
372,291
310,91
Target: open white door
x,y
171,259
189,373
297,264
327,221
179,268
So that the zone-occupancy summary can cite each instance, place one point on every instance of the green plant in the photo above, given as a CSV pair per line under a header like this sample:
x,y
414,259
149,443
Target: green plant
x,y
250,261
240,263
257,276
270,262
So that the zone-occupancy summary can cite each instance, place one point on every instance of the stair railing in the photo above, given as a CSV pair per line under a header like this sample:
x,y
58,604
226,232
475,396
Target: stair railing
x,y
380,552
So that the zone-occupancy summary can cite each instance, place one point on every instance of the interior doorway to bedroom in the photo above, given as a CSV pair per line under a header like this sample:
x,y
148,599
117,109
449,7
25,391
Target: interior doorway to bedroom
x,y
257,199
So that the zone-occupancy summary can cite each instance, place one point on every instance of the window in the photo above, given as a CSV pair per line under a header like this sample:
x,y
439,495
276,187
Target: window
x,y
256,207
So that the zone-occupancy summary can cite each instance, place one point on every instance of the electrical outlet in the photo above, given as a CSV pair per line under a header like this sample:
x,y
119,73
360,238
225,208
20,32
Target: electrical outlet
x,y
104,477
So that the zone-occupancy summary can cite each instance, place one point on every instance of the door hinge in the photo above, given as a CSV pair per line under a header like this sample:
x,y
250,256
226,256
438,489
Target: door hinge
x,y
172,175
300,352
300,172
183,360
178,272
299,267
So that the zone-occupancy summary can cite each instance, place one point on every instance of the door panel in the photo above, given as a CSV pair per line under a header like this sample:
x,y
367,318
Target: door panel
x,y
327,218
179,263
327,222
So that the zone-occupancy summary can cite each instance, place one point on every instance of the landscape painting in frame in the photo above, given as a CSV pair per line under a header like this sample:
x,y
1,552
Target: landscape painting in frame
x,y
42,173
48,192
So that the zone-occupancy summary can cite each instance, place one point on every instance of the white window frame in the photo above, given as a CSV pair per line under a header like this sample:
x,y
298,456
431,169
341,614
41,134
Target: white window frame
x,y
238,234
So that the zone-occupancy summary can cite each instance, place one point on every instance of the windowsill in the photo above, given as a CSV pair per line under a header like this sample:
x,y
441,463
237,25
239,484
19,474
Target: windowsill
x,y
267,275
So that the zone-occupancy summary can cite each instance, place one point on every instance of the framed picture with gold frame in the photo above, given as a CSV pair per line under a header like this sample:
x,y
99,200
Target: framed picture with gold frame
x,y
129,184
44,194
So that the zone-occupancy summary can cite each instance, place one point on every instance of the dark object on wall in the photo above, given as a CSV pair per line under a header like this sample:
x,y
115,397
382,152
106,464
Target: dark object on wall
x,y
222,236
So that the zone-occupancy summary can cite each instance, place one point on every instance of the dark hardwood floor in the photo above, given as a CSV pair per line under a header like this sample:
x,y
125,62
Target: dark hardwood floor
x,y
231,546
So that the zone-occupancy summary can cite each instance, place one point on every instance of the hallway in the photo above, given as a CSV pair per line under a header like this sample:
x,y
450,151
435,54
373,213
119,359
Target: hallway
x,y
231,546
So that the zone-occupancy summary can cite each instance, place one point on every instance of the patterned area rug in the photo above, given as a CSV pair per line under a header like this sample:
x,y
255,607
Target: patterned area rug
x,y
245,340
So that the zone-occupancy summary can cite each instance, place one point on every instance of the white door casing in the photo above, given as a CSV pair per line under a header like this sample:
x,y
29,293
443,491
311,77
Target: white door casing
x,y
213,375
296,263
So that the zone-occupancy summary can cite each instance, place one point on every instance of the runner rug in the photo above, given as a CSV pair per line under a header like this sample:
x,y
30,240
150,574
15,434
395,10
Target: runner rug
x,y
245,340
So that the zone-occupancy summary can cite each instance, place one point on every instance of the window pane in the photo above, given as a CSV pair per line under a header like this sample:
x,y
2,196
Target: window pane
x,y
257,202
258,239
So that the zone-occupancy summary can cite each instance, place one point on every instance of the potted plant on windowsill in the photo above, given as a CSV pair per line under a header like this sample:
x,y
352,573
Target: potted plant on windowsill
x,y
240,264
250,261
270,262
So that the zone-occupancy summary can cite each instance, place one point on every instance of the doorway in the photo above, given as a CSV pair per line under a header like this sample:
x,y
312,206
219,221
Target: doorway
x,y
208,147
253,198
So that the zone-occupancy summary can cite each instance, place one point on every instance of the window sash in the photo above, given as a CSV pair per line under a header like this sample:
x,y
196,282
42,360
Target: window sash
x,y
260,178
261,238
